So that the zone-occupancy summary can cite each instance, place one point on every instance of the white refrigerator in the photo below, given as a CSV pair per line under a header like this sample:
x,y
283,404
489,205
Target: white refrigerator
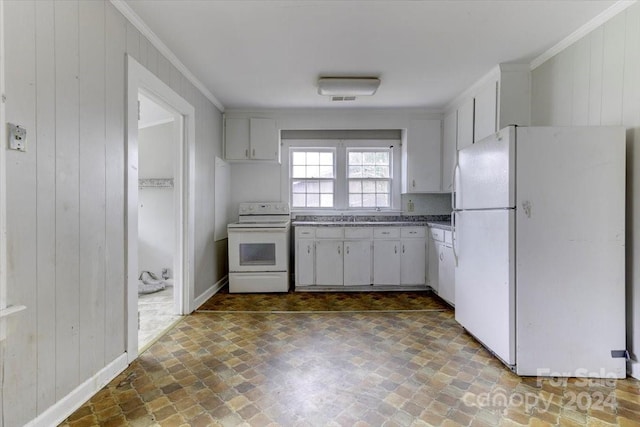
x,y
539,217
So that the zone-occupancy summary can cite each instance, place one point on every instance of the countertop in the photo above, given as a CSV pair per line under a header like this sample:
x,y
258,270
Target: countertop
x,y
373,221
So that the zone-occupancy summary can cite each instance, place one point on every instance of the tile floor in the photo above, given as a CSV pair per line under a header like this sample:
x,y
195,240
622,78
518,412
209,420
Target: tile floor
x,y
156,315
341,368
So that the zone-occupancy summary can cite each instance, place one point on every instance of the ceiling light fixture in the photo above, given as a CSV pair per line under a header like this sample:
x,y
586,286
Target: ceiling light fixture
x,y
348,86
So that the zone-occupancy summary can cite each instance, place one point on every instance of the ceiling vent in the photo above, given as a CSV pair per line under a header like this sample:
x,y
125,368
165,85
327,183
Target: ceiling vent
x,y
343,98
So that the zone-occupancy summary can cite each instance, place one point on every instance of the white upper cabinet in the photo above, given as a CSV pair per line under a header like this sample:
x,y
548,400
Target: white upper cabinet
x,y
499,99
465,124
251,139
449,140
421,157
486,110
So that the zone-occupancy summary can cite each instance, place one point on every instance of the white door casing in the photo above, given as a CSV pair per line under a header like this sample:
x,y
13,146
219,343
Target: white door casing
x,y
139,79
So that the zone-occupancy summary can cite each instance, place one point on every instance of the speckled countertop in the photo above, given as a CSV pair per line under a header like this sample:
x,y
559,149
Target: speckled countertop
x,y
437,221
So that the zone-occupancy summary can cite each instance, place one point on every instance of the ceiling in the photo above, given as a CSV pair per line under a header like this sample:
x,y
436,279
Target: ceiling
x,y
269,54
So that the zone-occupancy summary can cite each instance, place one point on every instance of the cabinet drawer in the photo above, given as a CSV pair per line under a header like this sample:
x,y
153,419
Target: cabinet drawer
x,y
386,233
437,234
305,232
329,233
448,236
358,233
417,232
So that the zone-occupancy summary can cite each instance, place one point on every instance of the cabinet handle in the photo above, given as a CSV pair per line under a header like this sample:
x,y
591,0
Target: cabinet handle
x,y
308,249
395,249
253,152
385,232
413,183
338,249
347,250
441,256
246,153
402,248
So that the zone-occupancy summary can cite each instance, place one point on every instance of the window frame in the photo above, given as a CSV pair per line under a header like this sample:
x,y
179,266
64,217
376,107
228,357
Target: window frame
x,y
390,179
341,180
334,179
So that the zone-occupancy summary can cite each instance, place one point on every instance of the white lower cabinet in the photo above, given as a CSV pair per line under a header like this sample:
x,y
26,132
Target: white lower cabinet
x,y
441,265
413,262
357,263
386,262
305,262
329,263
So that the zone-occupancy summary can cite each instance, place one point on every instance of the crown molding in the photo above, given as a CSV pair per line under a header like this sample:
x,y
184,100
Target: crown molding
x,y
591,25
137,22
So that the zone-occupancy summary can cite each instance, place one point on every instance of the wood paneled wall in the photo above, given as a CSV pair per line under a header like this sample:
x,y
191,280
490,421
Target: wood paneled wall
x,y
65,79
596,81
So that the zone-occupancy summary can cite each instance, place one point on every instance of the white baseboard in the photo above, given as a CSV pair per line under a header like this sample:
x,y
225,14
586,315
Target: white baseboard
x,y
634,369
66,406
210,292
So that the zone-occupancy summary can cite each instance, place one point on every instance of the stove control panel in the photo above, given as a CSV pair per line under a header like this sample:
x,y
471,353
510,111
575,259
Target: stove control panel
x,y
264,208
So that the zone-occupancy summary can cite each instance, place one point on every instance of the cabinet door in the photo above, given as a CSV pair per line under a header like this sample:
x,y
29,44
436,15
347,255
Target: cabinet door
x,y
386,262
433,253
486,110
465,124
422,157
449,134
329,262
236,139
357,263
305,256
413,260
446,275
265,144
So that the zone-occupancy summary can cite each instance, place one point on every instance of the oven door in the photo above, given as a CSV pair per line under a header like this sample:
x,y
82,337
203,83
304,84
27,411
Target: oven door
x,y
257,250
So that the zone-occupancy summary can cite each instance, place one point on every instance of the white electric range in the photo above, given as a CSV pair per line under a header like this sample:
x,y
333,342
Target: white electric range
x,y
259,248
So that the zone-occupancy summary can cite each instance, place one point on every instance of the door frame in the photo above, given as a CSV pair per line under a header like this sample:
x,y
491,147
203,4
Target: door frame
x,y
139,79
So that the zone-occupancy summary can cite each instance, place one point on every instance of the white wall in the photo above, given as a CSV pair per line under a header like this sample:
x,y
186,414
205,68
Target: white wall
x,y
65,83
596,81
156,213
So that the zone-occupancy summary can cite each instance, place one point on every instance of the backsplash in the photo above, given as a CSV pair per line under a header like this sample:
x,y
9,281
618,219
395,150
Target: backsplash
x,y
427,204
371,218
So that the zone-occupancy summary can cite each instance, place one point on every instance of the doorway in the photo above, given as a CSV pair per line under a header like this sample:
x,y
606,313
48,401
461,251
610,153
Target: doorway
x,y
158,203
158,295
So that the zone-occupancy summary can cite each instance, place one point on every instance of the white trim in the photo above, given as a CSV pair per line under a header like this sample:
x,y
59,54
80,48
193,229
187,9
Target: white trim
x,y
3,183
137,22
156,123
139,79
585,29
634,369
214,289
66,406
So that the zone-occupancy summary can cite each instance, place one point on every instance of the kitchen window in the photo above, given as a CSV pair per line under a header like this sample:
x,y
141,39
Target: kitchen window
x,y
339,175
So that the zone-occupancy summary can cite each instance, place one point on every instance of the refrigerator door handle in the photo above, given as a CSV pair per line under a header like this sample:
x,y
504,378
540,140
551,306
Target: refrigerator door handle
x,y
453,184
453,236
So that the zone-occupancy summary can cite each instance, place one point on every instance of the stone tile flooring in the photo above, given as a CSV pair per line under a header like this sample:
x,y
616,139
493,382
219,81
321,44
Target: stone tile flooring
x,y
156,315
342,368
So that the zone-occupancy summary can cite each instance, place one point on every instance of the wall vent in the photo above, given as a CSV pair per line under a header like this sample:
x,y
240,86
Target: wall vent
x,y
343,98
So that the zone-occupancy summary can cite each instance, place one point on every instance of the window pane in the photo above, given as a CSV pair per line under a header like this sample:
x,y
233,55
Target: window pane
x,y
382,186
355,186
368,186
313,200
369,172
382,158
313,187
313,171
382,172
355,158
298,200
313,158
369,158
326,159
368,200
298,172
298,187
355,171
326,200
299,158
326,186
326,172
382,200
355,200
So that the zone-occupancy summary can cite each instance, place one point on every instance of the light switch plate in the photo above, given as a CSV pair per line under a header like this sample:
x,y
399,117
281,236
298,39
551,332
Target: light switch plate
x,y
17,137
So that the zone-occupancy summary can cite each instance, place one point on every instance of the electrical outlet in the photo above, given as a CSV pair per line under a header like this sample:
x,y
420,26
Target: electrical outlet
x,y
410,206
17,137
